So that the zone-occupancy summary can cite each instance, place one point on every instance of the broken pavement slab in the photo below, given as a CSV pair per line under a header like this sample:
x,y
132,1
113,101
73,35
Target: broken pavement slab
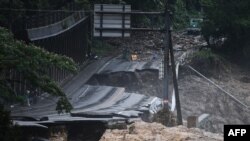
x,y
121,65
94,103
91,103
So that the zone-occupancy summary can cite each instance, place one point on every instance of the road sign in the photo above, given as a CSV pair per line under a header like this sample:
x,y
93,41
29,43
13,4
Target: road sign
x,y
103,19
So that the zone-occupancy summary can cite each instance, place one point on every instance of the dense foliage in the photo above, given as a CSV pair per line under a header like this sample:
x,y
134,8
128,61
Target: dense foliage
x,y
9,13
182,9
146,5
8,132
229,19
31,62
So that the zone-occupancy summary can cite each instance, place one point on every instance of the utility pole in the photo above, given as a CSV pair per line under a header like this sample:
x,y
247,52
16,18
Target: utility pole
x,y
166,57
169,50
178,103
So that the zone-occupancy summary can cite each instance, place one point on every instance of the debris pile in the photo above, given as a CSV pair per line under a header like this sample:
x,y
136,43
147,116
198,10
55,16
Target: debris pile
x,y
141,46
141,131
60,136
149,46
183,41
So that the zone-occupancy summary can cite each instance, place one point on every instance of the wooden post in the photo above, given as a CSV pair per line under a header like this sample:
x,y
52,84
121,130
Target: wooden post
x,y
192,122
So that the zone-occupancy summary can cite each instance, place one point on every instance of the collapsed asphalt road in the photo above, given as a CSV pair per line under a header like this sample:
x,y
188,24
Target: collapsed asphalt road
x,y
140,77
91,102
197,96
135,76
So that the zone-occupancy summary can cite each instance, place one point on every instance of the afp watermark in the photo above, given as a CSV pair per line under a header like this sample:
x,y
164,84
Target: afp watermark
x,y
237,132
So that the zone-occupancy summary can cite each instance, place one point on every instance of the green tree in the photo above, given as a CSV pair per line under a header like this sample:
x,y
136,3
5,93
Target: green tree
x,y
7,17
193,4
229,19
180,19
30,61
144,5
9,12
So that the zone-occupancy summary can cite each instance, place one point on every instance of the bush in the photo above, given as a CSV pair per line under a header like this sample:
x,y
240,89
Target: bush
x,y
8,132
209,63
229,19
101,48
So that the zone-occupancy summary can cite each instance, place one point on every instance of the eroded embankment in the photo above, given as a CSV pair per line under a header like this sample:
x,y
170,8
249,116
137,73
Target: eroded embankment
x,y
197,95
141,81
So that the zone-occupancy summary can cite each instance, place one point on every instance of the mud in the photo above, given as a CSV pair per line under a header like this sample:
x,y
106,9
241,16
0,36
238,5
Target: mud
x,y
141,131
199,97
196,94
143,82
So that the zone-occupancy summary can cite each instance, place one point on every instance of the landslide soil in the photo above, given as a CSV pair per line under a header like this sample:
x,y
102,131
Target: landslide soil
x,y
197,95
141,131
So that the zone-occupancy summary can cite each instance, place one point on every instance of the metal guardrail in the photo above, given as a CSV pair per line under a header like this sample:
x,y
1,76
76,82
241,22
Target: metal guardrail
x,y
70,40
57,28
